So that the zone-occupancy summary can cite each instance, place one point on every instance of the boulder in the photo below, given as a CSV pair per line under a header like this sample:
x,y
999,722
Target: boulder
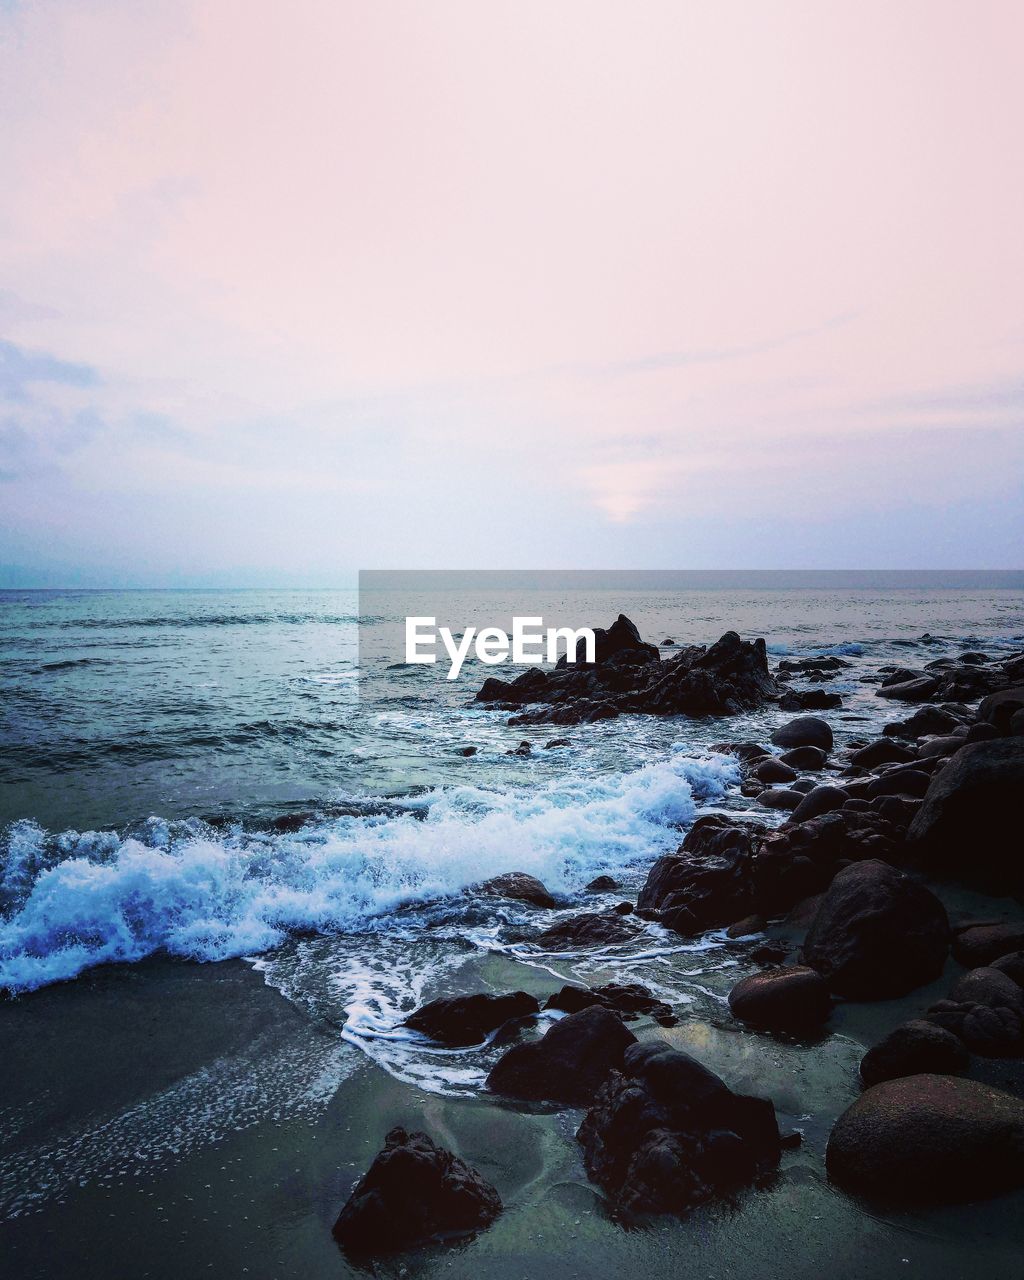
x,y
780,798
772,769
414,1192
809,700
462,1020
878,933
999,708
629,999
912,1049
929,1139
916,689
881,751
986,1010
1012,965
602,884
705,884
569,1064
666,1134
969,824
589,929
900,781
926,720
804,731
782,999
818,801
983,943
519,887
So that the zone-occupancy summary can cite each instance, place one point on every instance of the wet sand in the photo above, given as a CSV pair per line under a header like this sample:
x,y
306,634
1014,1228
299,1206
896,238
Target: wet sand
x,y
172,1120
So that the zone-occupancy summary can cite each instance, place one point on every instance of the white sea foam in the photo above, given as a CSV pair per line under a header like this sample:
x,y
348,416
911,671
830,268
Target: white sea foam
x,y
86,899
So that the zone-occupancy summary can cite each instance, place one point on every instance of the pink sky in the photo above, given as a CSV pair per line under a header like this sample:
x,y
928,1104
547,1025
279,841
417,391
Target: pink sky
x,y
686,284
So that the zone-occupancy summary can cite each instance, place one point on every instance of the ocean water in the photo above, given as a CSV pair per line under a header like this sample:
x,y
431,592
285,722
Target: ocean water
x,y
210,775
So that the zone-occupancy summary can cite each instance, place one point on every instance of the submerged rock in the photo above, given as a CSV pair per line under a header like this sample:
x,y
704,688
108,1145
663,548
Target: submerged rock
x,y
569,1064
464,1020
913,1048
666,1134
414,1192
929,1139
877,933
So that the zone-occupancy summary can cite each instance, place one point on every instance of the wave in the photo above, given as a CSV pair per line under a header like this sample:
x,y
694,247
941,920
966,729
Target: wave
x,y
75,900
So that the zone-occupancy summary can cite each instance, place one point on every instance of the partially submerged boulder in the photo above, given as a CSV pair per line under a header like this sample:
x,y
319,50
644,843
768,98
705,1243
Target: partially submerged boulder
x,y
414,1192
519,887
913,1048
877,933
629,999
569,1064
784,999
587,930
666,1134
929,1139
464,1020
706,883
804,731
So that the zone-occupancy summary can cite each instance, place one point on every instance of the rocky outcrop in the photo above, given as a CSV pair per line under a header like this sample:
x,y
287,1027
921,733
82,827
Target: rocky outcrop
x,y
877,933
730,676
465,1020
969,824
414,1192
517,886
569,1064
929,1139
666,1134
786,999
914,1048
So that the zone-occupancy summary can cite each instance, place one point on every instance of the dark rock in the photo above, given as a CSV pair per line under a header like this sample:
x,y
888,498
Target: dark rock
x,y
602,884
917,689
1012,965
809,758
557,742
462,1020
929,1139
666,1134
804,731
519,887
414,1192
706,883
944,745
882,751
901,781
809,700
773,770
803,785
584,931
912,1049
524,749
982,944
629,676
569,1064
623,908
629,999
926,720
820,800
745,927
899,810
782,999
825,663
748,752
985,732
998,708
468,751
780,798
877,933
969,823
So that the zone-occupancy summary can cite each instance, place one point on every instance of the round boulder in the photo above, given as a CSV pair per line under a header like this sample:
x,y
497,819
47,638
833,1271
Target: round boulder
x,y
929,1139
911,1049
804,731
787,999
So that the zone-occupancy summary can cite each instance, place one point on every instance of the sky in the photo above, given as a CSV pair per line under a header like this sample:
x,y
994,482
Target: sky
x,y
288,291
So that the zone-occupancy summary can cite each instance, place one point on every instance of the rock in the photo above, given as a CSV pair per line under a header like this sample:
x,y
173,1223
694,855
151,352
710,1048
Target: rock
x,y
877,933
524,749
804,731
414,1192
827,662
998,708
900,781
462,1020
899,810
982,944
1012,965
969,823
881,751
705,884
986,1010
586,930
926,720
782,999
820,800
602,884
746,927
929,1139
569,1064
629,676
780,798
916,689
518,886
468,751
747,752
666,1134
944,745
985,732
914,1048
809,700
557,742
807,758
773,770
629,999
